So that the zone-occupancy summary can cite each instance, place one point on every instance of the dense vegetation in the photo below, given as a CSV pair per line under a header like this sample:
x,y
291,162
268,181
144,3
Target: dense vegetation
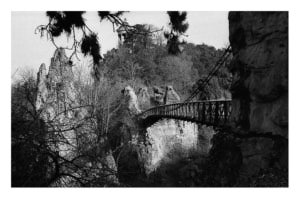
x,y
144,60
29,159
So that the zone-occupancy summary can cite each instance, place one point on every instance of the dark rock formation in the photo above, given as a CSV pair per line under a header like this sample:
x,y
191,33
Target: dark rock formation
x,y
259,42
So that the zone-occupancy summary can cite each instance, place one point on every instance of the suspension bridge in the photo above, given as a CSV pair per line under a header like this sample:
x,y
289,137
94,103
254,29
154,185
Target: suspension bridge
x,y
209,112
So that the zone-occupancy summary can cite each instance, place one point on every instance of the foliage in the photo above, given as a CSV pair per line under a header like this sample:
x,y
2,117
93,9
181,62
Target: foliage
x,y
146,61
29,151
64,21
108,14
183,171
90,45
204,58
177,21
71,23
36,156
178,27
177,71
225,160
68,21
219,168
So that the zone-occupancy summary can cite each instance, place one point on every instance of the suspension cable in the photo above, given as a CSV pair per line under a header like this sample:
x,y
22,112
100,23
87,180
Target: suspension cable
x,y
215,69
202,83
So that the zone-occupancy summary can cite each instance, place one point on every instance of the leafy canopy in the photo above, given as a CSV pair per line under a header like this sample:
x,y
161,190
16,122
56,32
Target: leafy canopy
x,y
72,22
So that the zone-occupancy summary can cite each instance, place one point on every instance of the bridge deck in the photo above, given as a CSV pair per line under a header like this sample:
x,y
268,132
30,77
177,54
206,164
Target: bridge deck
x,y
212,112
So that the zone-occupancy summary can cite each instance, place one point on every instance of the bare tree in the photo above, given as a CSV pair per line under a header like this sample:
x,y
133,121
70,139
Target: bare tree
x,y
57,152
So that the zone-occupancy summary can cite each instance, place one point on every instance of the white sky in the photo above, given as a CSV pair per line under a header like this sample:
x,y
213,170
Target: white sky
x,y
29,50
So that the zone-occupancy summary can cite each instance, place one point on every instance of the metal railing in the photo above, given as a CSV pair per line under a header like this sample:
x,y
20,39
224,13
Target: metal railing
x,y
211,112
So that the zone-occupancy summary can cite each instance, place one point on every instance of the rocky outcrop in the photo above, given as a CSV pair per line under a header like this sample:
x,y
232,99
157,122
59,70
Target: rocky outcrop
x,y
165,141
144,98
156,96
169,140
171,96
259,42
66,119
56,99
131,100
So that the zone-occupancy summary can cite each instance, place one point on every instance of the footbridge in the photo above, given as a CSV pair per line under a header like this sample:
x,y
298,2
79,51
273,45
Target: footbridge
x,y
210,112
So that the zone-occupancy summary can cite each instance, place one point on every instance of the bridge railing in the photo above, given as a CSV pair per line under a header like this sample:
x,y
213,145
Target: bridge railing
x,y
212,112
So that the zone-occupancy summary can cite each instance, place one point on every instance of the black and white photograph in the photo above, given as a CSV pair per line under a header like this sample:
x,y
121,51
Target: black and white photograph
x,y
107,99
162,98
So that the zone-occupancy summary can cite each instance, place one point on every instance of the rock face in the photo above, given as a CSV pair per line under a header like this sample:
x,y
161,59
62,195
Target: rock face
x,y
131,100
259,42
56,99
144,98
166,140
156,96
171,96
62,113
260,67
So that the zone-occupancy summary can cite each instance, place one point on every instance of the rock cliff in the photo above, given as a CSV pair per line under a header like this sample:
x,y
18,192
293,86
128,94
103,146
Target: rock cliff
x,y
56,99
169,140
165,141
259,42
68,122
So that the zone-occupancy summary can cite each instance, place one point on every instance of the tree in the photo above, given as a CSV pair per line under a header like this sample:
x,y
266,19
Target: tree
x,y
43,153
29,151
178,71
204,57
70,22
178,28
136,58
